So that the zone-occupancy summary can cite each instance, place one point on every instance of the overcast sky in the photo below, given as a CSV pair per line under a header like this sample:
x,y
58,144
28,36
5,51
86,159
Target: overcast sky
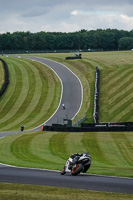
x,y
65,15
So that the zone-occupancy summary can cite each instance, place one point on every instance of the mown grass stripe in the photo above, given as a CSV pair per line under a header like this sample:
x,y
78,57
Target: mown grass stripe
x,y
116,96
110,149
49,98
34,100
24,87
74,140
121,85
97,63
116,79
8,94
26,93
120,97
90,141
57,145
109,74
121,101
13,92
126,114
21,149
125,147
41,148
123,110
119,75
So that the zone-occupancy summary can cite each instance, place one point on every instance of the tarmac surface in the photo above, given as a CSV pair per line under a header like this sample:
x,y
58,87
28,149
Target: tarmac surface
x,y
53,178
71,95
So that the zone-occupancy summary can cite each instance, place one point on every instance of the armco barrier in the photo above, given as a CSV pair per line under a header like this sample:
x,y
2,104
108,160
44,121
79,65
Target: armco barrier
x,y
96,96
6,82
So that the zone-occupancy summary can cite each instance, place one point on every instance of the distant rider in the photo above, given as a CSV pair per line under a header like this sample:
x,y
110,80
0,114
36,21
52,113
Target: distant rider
x,y
63,106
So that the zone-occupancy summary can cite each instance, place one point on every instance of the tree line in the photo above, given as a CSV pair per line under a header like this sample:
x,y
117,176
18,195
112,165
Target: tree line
x,y
109,39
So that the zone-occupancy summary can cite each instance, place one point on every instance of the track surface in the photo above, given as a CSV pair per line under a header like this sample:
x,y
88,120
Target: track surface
x,y
53,178
71,93
72,100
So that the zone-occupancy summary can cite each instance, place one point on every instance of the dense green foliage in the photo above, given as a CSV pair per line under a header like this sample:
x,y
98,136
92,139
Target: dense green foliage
x,y
112,153
109,39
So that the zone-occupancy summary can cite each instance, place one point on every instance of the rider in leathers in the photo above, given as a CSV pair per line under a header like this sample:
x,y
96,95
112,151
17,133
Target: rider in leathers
x,y
75,157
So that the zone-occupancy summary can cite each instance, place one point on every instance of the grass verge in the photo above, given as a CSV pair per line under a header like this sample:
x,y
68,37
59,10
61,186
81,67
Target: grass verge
x,y
116,85
22,105
112,153
28,192
31,97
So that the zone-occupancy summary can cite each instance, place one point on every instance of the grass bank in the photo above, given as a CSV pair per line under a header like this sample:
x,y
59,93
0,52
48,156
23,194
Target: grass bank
x,y
32,96
112,153
116,85
29,106
28,192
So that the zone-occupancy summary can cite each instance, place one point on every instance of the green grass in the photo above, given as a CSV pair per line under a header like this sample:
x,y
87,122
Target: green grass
x,y
116,85
2,74
28,192
33,105
112,153
31,97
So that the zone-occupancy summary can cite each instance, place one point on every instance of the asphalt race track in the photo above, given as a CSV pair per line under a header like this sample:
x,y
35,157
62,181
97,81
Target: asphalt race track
x,y
72,100
53,178
71,91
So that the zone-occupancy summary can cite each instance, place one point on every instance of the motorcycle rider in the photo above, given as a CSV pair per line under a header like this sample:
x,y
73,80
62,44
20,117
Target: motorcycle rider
x,y
74,157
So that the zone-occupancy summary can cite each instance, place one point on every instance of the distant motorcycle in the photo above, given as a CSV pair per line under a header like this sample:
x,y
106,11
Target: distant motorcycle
x,y
77,163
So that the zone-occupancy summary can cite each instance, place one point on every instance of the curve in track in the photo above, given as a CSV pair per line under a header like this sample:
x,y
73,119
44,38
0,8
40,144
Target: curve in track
x,y
72,92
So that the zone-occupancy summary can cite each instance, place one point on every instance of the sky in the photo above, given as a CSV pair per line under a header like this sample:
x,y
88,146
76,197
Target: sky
x,y
65,15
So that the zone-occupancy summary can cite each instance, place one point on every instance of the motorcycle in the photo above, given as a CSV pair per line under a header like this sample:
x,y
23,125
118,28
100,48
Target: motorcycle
x,y
77,163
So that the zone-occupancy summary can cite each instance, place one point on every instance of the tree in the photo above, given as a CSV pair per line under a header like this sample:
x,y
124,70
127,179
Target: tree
x,y
126,43
109,39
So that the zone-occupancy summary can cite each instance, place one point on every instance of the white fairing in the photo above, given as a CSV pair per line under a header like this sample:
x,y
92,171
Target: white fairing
x,y
67,165
84,156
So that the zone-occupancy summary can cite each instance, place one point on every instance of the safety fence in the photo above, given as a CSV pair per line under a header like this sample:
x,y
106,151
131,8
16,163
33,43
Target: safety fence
x,y
96,96
62,128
